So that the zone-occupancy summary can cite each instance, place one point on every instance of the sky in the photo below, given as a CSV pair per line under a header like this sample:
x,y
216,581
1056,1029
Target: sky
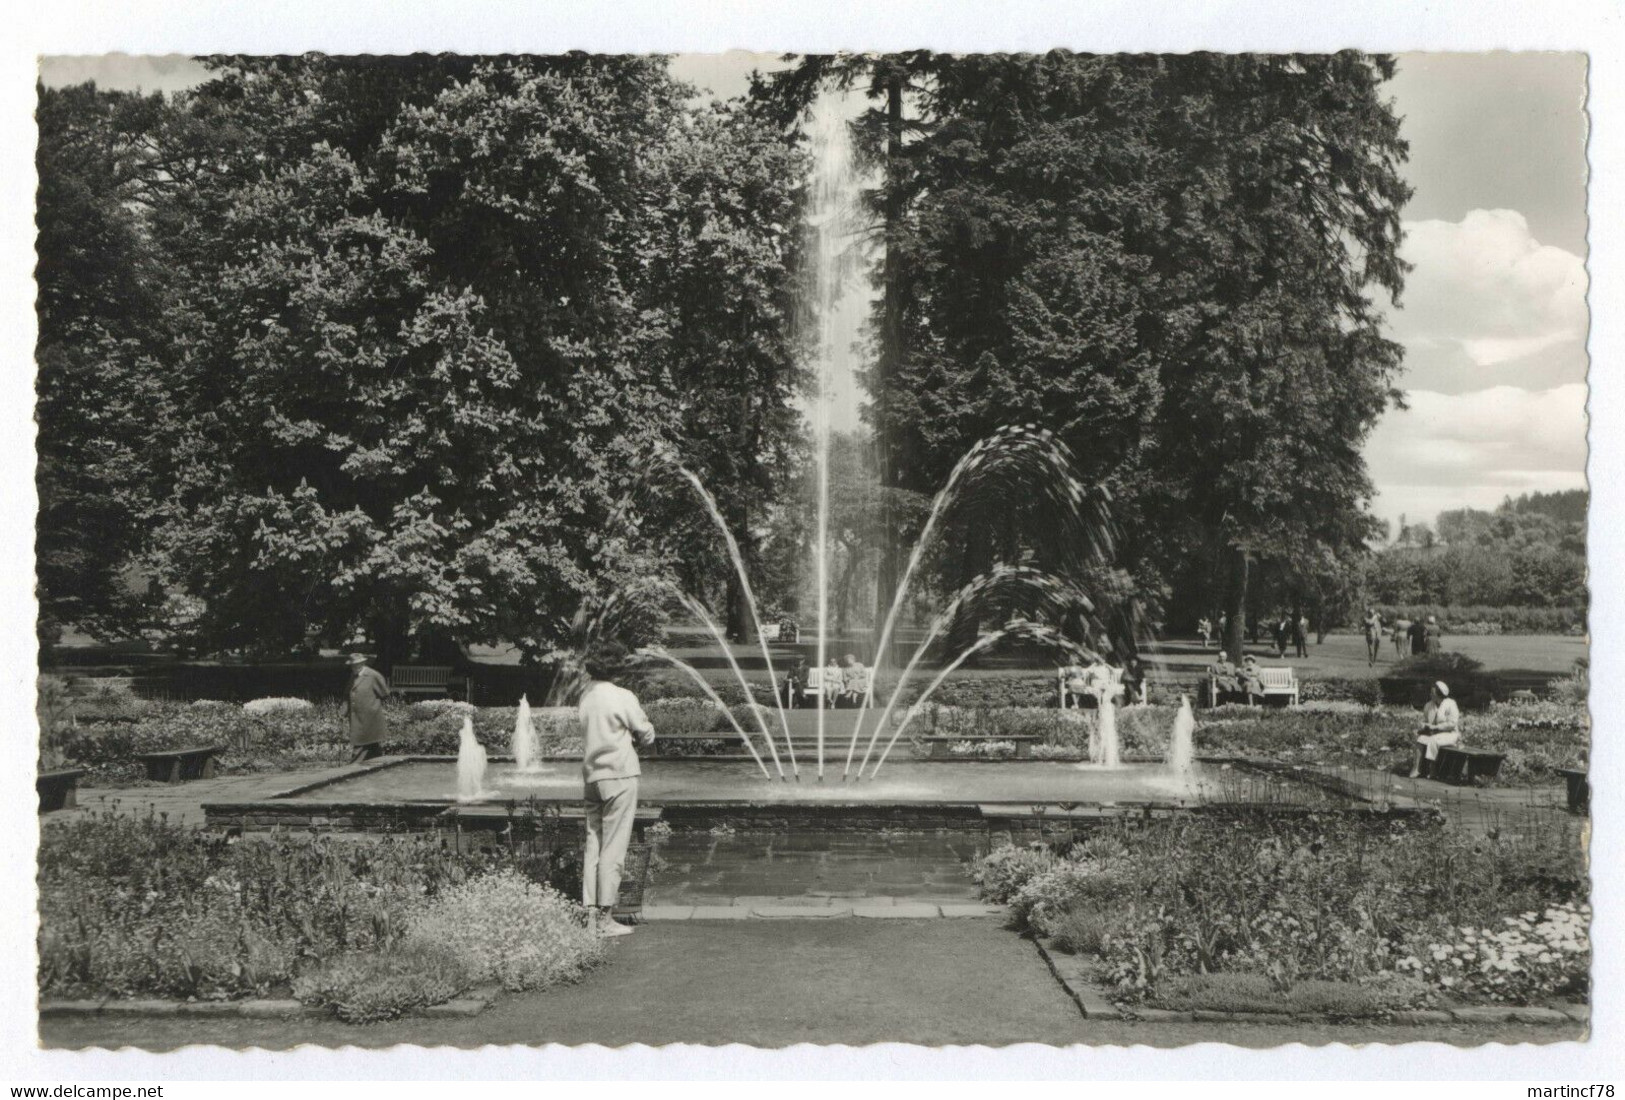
x,y
1494,314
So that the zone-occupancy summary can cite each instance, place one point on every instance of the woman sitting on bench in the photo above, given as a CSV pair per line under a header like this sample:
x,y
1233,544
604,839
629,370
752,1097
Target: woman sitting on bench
x,y
1441,725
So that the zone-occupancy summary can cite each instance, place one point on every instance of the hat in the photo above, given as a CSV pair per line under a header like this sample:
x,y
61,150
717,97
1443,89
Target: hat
x,y
1441,687
357,659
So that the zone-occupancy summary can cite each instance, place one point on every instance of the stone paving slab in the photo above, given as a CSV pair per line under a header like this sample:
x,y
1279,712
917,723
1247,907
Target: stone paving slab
x,y
898,911
798,912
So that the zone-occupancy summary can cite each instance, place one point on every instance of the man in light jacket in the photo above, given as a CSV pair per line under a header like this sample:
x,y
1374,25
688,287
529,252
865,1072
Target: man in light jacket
x,y
611,720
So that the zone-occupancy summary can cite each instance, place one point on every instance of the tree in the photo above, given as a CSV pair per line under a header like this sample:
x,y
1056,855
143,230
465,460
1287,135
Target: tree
x,y
438,316
101,290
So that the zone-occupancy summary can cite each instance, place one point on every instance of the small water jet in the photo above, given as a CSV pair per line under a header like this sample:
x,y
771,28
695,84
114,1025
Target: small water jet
x,y
1181,750
526,745
1106,722
470,764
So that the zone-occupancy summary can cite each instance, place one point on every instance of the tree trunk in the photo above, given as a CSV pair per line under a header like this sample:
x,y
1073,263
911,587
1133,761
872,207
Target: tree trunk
x,y
886,368
1235,638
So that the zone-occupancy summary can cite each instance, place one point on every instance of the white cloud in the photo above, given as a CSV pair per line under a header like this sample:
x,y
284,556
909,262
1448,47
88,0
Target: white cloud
x,y
1486,286
1473,449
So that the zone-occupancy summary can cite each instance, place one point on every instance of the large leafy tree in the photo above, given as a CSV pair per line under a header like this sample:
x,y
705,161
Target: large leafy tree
x,y
1169,260
101,290
437,314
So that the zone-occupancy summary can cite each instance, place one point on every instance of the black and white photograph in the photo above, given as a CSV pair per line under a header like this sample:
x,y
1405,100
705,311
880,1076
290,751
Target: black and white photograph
x,y
772,547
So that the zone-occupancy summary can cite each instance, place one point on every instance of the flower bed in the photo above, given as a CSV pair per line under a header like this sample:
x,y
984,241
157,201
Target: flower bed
x,y
135,906
1384,905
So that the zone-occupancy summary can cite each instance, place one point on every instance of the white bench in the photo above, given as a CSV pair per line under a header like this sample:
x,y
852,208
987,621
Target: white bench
x,y
1091,676
1279,682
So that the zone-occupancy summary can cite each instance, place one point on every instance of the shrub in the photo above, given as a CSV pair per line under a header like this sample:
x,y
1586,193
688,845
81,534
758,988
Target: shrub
x,y
503,927
362,988
1340,689
429,709
1083,928
1006,869
275,706
1225,992
682,716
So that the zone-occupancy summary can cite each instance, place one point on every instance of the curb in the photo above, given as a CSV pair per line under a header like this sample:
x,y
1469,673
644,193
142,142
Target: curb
x,y
858,910
472,1003
1094,1004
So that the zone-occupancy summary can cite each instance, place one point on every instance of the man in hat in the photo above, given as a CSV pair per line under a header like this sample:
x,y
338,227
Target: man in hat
x,y
365,709
612,723
1441,725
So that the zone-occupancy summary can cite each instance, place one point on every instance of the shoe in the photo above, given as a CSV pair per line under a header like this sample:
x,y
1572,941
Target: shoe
x,y
609,927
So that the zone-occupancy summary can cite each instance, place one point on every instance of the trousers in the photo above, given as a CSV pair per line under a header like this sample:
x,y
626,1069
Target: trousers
x,y
612,806
1430,742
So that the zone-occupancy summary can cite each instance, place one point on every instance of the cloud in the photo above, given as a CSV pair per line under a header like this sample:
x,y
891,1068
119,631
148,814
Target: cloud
x,y
1472,449
1485,293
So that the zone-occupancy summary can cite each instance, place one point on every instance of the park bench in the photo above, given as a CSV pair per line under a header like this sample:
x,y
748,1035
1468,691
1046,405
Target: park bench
x,y
1579,783
408,680
1459,764
941,744
1115,682
180,765
58,789
1279,683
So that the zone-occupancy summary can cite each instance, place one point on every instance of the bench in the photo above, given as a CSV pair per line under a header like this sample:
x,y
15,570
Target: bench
x,y
1279,683
1459,764
180,765
1579,783
941,744
408,680
1091,676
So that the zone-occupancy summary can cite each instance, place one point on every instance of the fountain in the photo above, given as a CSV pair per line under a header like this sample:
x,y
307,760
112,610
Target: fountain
x,y
470,764
1181,752
1106,719
526,746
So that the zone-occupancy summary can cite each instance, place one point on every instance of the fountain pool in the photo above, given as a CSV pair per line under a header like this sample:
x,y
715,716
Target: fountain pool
x,y
908,795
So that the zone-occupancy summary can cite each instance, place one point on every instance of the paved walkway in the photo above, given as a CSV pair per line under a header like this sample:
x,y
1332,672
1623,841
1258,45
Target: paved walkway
x,y
777,983
183,802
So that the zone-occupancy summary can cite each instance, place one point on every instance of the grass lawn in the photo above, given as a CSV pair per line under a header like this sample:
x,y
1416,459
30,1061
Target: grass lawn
x,y
1340,655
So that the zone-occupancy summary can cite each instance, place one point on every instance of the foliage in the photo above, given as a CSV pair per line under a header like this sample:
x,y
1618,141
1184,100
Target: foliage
x,y
322,290
1287,901
1530,955
275,706
1365,692
362,988
503,927
133,905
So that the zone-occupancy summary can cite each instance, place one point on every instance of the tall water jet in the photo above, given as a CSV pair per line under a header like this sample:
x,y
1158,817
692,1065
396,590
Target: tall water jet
x,y
1181,749
470,764
527,747
832,211
710,693
1106,720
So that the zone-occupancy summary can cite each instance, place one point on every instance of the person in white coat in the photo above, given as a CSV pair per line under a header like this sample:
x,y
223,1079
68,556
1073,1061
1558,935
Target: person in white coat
x,y
612,723
1441,725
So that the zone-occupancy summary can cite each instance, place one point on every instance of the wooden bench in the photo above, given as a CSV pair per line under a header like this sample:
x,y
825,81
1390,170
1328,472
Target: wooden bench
x,y
1114,684
1579,783
1279,683
409,680
1459,764
941,744
180,765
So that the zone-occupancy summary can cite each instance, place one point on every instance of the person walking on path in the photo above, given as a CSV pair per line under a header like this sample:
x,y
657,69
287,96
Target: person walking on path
x,y
1441,725
1418,638
1373,636
610,718
364,709
1300,636
1432,636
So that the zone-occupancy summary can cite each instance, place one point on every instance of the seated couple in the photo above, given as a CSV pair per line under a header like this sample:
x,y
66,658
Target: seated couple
x,y
842,685
1230,682
1095,681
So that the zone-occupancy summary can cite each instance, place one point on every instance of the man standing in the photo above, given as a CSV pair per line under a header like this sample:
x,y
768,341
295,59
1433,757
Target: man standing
x,y
364,709
1300,635
1373,635
610,718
